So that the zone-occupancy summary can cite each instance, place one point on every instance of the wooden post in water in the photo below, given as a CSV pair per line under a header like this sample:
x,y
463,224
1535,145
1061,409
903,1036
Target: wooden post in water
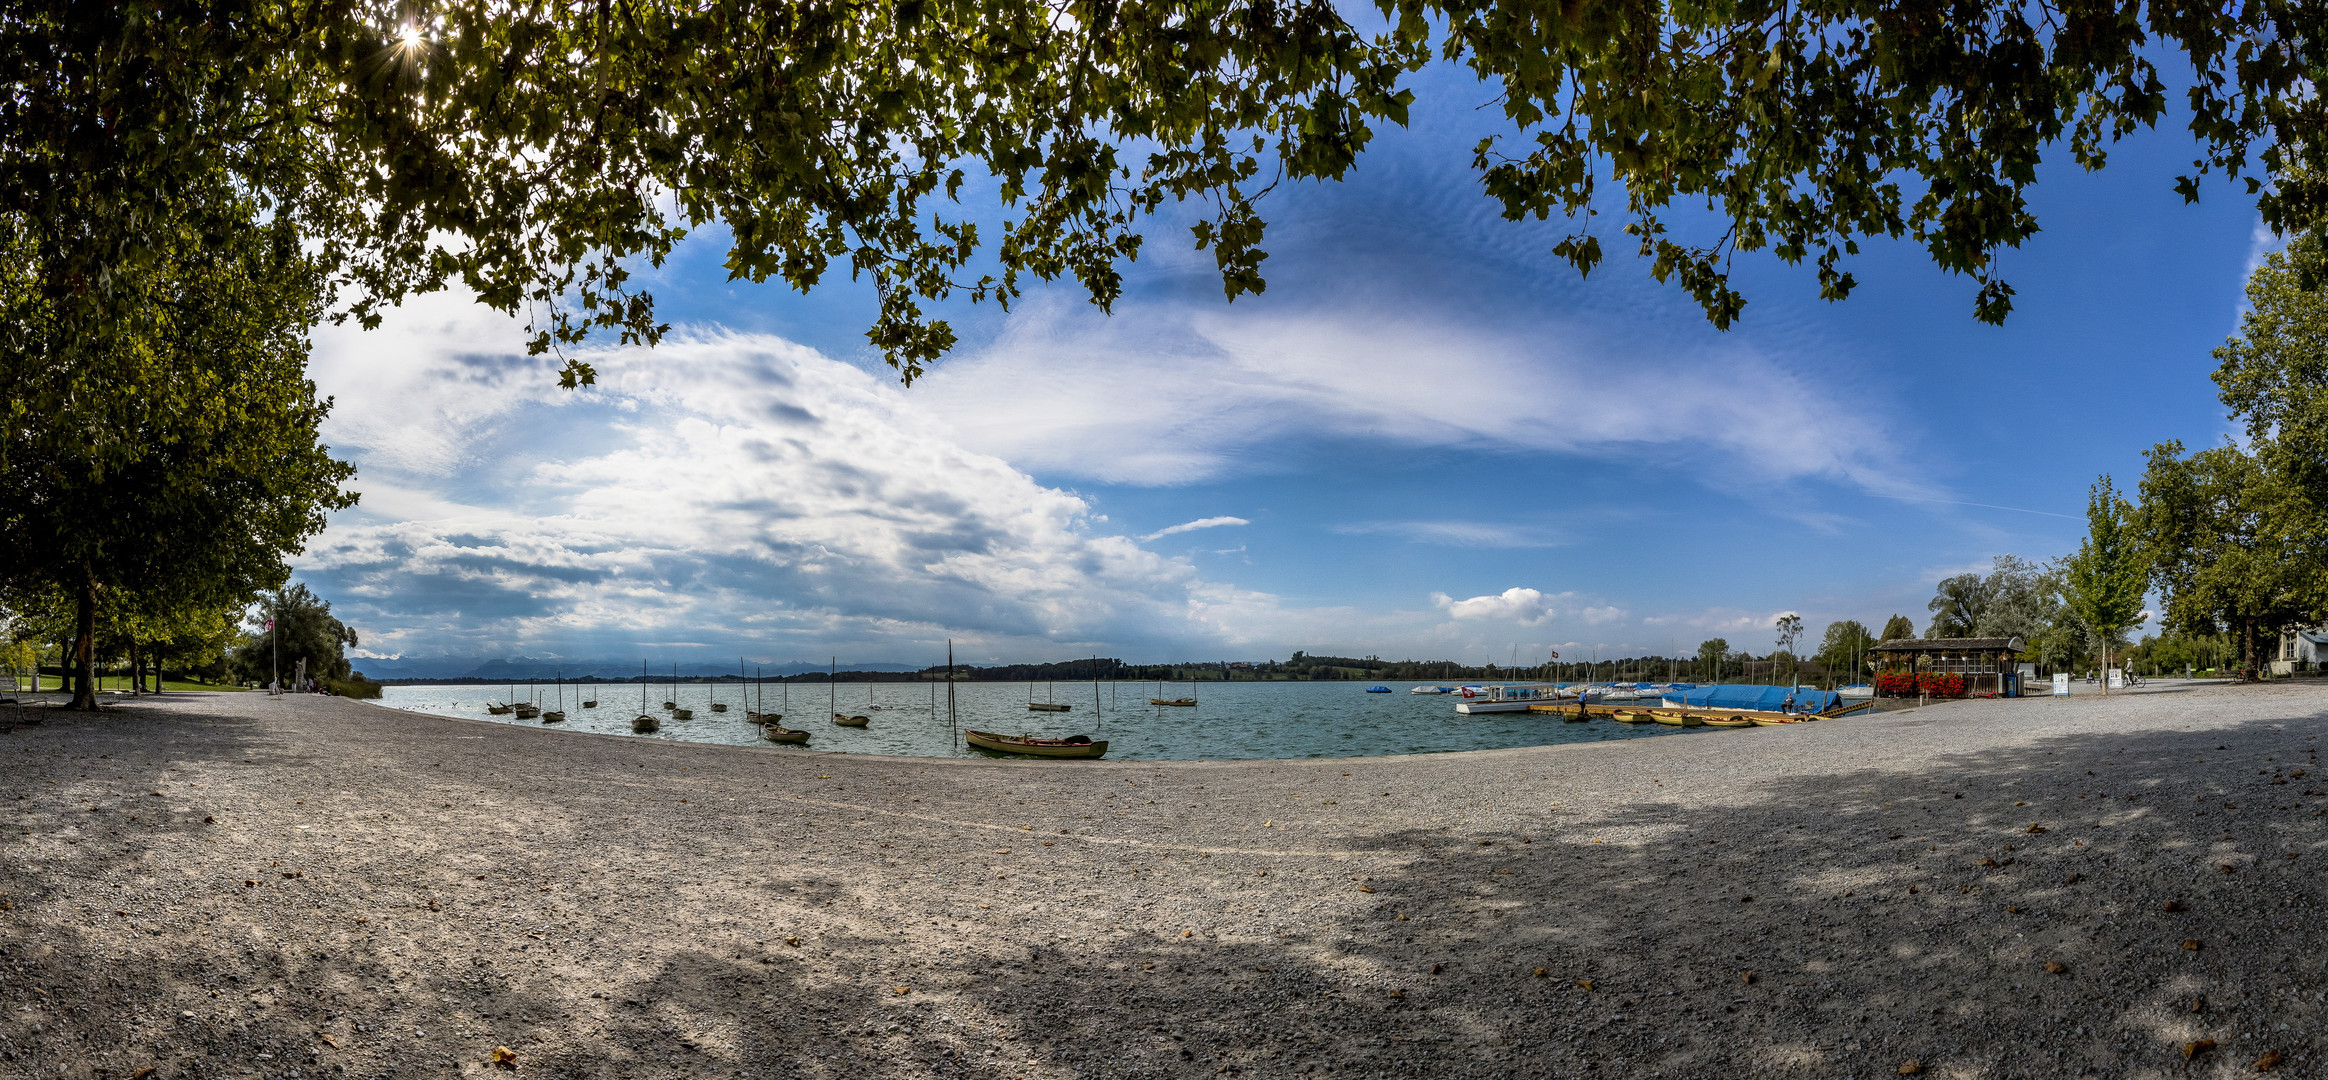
x,y
953,726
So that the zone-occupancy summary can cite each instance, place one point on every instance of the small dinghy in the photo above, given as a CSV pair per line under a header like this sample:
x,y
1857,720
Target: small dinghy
x,y
1777,721
1182,702
527,711
682,714
1631,717
1073,746
1045,706
591,704
778,733
1728,721
1378,689
1676,719
646,724
554,716
852,721
762,717
719,706
499,710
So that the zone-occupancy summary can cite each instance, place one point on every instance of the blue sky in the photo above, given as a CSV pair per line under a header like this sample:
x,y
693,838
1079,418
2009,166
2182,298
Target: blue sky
x,y
1428,438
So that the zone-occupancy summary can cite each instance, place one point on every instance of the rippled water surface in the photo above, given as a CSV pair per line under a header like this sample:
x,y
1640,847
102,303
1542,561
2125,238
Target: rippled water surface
x,y
1230,721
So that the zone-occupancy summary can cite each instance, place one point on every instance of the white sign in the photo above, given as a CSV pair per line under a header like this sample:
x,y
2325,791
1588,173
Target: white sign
x,y
2117,679
2061,686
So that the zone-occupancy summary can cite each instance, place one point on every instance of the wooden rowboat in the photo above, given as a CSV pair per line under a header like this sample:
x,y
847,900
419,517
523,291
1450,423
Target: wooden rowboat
x,y
1045,706
1184,701
1677,719
528,712
1728,721
1073,746
682,714
1775,721
852,721
718,706
499,710
778,733
553,717
762,717
590,704
646,724
1631,717
670,705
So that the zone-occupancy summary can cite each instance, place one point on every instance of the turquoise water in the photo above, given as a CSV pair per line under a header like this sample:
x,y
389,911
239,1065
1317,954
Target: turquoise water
x,y
1231,720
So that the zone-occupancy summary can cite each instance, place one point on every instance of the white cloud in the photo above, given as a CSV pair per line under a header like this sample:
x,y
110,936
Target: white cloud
x,y
1476,534
1192,526
1060,380
1528,607
1601,615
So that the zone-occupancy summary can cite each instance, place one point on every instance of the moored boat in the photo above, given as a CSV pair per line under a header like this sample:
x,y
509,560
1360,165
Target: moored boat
x,y
682,714
499,710
778,733
1378,689
1047,706
554,716
1677,719
1183,702
763,717
1501,697
646,724
1430,689
590,704
1073,746
1631,717
852,721
527,710
1777,721
1728,721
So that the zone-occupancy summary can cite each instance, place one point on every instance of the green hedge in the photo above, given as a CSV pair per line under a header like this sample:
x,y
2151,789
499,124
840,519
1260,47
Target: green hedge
x,y
354,686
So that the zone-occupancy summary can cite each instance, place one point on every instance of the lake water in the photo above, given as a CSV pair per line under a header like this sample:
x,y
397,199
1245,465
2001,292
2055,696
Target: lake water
x,y
1231,720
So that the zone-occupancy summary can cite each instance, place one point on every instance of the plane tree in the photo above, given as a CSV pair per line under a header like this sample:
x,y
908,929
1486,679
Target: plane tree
x,y
540,152
175,469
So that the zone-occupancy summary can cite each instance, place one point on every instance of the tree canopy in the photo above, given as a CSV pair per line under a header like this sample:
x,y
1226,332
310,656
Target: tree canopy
x,y
174,468
2104,581
540,152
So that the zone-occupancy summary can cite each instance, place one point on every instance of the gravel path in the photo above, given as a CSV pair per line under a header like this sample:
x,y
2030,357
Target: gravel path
x,y
233,885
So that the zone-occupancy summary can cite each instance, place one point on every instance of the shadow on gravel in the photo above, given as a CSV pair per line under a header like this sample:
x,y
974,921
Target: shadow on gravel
x,y
2000,914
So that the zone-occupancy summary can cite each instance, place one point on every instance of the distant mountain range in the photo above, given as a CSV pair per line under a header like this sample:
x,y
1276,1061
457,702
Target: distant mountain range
x,y
519,669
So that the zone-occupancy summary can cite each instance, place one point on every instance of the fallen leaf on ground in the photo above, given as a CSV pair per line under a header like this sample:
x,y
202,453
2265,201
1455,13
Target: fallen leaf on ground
x,y
504,1058
2191,946
1911,1067
792,941
1188,933
1986,862
2070,880
2269,1061
2173,906
904,990
2054,967
2196,1047
1746,977
1365,888
1543,972
2036,828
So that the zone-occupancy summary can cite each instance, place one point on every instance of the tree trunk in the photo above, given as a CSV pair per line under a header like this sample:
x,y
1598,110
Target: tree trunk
x,y
2250,669
85,647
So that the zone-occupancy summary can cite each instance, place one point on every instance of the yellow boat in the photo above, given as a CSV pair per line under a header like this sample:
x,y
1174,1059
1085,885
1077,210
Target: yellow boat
x,y
1631,717
1676,719
1073,746
1778,721
852,721
1728,721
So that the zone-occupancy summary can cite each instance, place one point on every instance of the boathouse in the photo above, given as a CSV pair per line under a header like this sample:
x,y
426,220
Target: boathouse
x,y
1983,661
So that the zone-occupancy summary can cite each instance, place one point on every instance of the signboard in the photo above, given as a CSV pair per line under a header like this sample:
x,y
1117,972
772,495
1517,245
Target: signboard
x,y
2117,678
2060,685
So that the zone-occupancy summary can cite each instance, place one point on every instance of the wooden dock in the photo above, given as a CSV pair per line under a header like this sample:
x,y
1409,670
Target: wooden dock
x,y
1759,716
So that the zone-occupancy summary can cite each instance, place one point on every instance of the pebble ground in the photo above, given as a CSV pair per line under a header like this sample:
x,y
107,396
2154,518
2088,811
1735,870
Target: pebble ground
x,y
243,886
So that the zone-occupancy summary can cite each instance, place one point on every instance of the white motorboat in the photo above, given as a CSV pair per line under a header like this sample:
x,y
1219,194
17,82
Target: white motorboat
x,y
1851,692
1503,697
1430,689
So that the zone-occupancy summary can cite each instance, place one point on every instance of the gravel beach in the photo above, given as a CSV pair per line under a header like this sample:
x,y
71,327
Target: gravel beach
x,y
241,886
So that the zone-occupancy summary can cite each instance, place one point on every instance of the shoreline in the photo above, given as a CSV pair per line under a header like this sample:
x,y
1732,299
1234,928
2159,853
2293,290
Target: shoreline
x,y
398,894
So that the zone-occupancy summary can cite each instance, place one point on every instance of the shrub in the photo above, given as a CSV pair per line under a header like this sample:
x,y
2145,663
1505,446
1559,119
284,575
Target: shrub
x,y
354,686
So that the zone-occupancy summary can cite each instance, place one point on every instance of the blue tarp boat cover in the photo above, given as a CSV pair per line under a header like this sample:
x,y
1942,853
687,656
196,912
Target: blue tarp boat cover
x,y
1748,696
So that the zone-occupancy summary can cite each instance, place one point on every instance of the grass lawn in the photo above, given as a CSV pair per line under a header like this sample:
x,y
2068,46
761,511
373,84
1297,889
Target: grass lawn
x,y
49,684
